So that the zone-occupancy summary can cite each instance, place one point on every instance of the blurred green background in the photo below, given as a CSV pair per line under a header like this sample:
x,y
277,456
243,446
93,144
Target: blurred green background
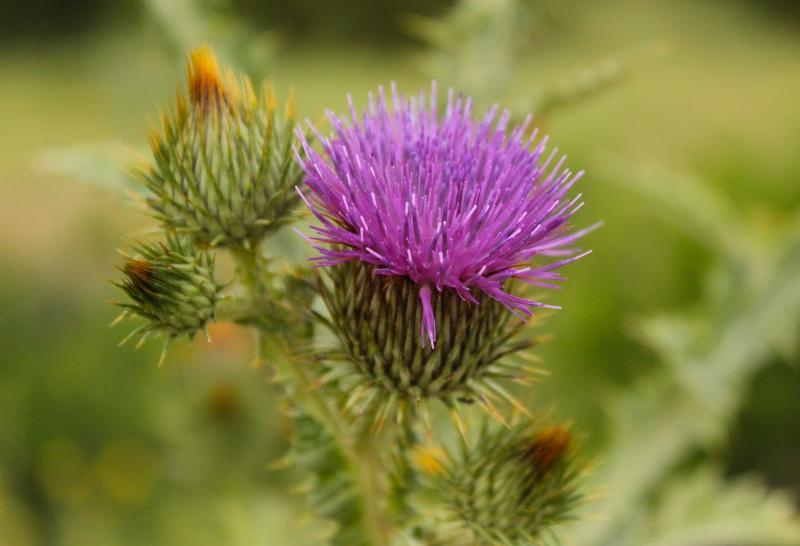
x,y
99,446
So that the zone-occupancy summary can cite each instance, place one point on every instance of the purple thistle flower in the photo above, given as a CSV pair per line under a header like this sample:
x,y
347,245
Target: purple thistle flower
x,y
449,202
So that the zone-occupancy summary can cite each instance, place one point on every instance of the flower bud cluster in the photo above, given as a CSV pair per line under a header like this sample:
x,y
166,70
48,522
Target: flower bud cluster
x,y
223,175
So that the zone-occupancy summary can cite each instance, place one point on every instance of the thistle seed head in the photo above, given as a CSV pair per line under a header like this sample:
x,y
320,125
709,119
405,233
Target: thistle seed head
x,y
224,170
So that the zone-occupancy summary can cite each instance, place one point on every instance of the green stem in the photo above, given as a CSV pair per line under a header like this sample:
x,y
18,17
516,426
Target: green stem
x,y
306,395
233,309
248,269
367,470
363,457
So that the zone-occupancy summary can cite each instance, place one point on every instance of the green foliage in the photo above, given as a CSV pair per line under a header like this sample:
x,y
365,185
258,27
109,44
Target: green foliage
x,y
473,45
97,163
100,446
586,82
752,306
708,359
330,491
479,45
661,486
183,24
704,508
690,205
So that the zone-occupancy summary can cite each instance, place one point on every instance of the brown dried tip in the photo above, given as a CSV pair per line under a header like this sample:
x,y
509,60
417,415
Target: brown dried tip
x,y
549,447
206,85
140,273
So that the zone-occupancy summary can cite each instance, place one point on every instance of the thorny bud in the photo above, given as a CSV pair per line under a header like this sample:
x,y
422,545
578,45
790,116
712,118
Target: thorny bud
x,y
171,285
224,171
511,486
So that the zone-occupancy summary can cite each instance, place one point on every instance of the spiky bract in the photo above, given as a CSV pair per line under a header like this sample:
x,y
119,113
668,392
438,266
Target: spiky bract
x,y
224,170
375,319
171,285
509,486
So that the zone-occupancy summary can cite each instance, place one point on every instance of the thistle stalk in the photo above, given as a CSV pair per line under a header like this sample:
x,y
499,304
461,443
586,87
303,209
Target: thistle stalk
x,y
363,455
249,265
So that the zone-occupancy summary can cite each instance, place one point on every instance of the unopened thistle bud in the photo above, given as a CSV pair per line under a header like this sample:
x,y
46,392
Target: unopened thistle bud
x,y
224,171
511,486
171,286
425,221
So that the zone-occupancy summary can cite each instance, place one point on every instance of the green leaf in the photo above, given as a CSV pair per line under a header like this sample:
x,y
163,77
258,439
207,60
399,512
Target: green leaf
x,y
586,82
96,163
689,204
187,23
472,46
701,508
329,488
687,404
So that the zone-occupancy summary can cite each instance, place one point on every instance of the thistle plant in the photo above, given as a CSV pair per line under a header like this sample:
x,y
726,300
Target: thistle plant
x,y
433,226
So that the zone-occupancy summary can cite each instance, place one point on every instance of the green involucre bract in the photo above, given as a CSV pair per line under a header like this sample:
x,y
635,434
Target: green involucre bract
x,y
376,319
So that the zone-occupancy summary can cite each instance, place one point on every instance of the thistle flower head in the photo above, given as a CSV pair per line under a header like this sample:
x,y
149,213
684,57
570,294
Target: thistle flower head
x,y
224,170
510,486
451,203
171,286
424,220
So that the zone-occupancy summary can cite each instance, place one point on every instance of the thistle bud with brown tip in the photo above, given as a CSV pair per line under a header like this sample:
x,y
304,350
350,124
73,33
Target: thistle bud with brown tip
x,y
171,286
510,486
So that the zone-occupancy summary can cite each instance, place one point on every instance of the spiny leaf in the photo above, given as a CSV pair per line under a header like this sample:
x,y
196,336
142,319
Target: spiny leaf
x,y
584,83
687,404
689,204
702,508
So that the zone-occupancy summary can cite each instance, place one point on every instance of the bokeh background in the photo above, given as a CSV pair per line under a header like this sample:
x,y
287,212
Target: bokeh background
x,y
686,115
